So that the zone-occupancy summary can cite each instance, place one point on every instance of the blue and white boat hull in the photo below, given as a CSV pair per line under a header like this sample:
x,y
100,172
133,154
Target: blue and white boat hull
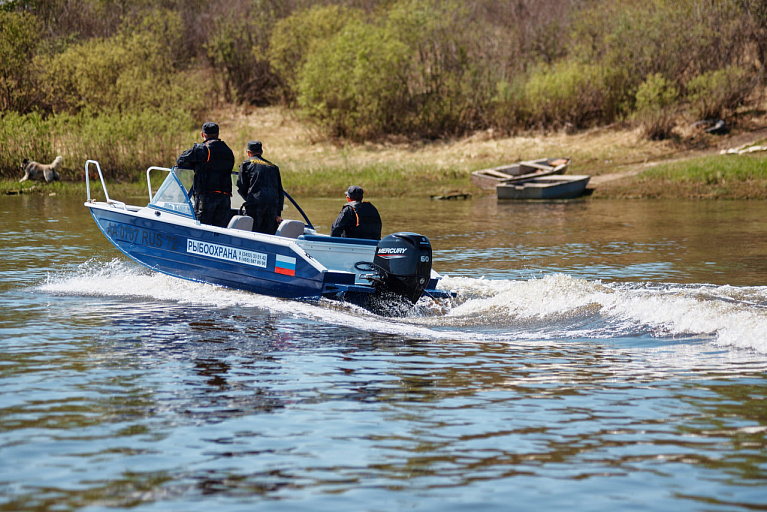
x,y
166,237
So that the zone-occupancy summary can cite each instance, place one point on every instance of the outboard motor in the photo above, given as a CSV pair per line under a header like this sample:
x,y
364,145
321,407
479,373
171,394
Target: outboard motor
x,y
403,261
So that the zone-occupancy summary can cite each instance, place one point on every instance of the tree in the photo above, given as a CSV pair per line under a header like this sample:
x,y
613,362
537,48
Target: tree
x,y
19,39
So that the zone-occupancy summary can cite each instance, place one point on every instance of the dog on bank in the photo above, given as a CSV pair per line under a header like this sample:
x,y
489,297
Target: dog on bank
x,y
41,172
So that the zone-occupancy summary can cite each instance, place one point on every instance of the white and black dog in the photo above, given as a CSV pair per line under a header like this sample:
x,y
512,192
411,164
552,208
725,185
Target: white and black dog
x,y
41,172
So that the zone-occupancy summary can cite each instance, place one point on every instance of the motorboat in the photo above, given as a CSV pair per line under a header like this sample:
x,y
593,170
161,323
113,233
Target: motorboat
x,y
545,187
295,263
488,178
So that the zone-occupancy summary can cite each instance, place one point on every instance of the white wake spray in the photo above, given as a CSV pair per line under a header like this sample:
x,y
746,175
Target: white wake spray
x,y
553,307
734,316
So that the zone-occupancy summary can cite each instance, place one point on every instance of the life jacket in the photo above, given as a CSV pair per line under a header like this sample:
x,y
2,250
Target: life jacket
x,y
368,221
215,174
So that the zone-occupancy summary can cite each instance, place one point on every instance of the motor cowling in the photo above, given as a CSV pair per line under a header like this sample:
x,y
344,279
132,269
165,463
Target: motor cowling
x,y
403,262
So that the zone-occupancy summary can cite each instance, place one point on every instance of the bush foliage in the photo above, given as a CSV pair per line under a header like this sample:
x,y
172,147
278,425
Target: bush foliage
x,y
373,68
129,72
655,103
19,39
569,93
715,94
124,143
353,85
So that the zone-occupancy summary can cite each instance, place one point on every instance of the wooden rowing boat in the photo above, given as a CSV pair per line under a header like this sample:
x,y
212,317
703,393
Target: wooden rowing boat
x,y
489,178
544,187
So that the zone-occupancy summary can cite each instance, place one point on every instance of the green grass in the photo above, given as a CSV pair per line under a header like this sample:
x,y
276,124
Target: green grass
x,y
710,177
712,170
384,179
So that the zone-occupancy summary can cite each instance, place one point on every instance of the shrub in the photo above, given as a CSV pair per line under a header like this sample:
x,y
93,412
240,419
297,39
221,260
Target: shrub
x,y
353,84
295,38
569,94
411,73
715,93
125,144
23,136
655,105
508,105
237,49
19,38
679,39
445,84
132,71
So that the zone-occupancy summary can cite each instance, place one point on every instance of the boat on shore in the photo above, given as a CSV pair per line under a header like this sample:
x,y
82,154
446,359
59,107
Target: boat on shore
x,y
545,187
488,178
295,263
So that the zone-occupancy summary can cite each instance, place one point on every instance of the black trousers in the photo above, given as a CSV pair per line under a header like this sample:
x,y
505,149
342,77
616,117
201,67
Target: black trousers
x,y
264,217
213,209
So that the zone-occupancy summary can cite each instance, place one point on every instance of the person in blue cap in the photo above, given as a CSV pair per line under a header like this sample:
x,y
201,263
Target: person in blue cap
x,y
212,162
259,183
358,218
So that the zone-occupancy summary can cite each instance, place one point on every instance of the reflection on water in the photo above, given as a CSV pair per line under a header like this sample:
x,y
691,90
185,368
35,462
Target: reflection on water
x,y
677,241
609,353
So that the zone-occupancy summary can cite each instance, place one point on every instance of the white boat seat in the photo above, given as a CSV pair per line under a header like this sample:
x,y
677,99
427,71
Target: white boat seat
x,y
243,222
290,228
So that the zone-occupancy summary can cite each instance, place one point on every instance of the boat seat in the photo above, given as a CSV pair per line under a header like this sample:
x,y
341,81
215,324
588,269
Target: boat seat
x,y
290,229
243,222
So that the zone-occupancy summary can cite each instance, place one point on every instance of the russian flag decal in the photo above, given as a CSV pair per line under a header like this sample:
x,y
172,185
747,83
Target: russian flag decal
x,y
285,265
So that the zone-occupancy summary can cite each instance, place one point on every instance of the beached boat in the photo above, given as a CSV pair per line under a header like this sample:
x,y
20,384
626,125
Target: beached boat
x,y
545,187
295,263
489,178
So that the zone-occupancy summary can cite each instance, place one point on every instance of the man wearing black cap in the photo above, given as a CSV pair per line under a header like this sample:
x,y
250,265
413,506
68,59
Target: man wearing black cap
x,y
357,219
259,183
212,162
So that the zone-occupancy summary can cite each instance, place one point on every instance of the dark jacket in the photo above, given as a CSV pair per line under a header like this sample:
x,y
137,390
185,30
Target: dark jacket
x,y
259,183
212,162
358,220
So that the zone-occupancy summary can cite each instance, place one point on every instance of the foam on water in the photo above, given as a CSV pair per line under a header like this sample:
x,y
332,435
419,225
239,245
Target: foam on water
x,y
731,316
552,307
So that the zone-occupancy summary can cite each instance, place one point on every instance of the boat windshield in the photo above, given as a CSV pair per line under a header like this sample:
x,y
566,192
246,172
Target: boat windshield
x,y
172,194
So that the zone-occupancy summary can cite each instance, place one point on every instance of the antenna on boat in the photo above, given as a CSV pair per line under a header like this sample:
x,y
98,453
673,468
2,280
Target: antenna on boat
x,y
308,222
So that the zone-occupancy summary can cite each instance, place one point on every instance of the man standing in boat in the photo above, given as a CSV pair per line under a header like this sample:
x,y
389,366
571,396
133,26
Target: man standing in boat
x,y
259,183
212,162
357,219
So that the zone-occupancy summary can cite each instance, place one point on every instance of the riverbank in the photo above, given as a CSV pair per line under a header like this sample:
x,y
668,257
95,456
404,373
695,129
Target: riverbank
x,y
621,162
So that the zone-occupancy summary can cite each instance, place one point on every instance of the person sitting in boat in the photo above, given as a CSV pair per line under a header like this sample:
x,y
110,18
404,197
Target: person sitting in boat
x,y
212,162
357,219
259,183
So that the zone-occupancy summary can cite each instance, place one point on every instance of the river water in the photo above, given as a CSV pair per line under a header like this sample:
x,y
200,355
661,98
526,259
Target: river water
x,y
600,355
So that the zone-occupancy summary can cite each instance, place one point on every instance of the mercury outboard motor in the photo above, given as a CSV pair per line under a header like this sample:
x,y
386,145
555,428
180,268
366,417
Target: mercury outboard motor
x,y
403,261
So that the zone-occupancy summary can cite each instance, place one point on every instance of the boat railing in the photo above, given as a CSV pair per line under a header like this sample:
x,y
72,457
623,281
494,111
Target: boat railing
x,y
149,181
88,163
308,222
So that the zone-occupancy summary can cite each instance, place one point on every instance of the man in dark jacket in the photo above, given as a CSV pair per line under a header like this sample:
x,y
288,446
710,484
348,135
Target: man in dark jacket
x,y
259,183
357,219
212,162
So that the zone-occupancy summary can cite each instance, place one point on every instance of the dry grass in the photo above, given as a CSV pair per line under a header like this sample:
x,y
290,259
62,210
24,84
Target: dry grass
x,y
298,150
614,156
293,145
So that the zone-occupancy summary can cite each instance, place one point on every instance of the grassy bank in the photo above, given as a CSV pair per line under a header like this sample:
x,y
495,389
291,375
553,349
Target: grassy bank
x,y
708,177
314,166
